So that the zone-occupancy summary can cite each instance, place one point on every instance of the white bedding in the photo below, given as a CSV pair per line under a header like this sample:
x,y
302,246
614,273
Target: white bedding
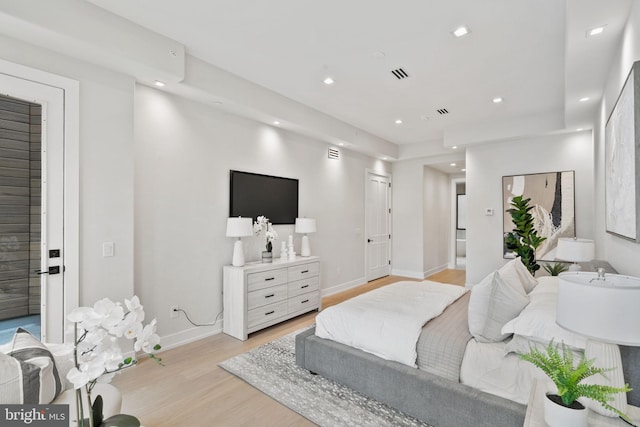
x,y
387,321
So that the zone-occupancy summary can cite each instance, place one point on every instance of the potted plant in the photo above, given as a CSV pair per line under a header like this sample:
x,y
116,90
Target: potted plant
x,y
524,239
555,269
563,409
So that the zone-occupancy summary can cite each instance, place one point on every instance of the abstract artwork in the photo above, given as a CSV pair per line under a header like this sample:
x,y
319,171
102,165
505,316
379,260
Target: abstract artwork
x,y
553,199
621,161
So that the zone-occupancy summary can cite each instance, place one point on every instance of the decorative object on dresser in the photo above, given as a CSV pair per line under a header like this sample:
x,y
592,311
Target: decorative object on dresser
x,y
604,308
260,295
552,203
575,250
304,226
562,408
262,224
239,227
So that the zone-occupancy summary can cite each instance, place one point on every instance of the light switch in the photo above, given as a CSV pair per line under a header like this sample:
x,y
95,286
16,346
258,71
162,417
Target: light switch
x,y
108,249
488,211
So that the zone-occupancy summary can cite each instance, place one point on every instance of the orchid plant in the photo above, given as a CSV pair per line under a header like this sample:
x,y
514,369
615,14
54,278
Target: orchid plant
x,y
98,356
261,224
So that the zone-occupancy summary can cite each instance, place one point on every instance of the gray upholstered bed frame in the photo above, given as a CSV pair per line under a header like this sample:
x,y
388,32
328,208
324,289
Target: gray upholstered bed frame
x,y
427,397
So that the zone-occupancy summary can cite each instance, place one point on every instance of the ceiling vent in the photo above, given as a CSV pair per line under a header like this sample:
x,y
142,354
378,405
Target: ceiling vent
x,y
442,111
334,153
399,73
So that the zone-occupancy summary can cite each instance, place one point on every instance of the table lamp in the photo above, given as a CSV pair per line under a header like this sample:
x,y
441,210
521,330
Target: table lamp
x,y
304,226
575,250
605,309
239,227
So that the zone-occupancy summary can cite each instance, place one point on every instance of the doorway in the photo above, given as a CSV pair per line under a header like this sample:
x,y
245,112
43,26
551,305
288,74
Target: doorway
x,y
54,275
458,255
378,225
20,219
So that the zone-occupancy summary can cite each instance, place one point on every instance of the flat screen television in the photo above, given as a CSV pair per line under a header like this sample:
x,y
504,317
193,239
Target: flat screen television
x,y
252,194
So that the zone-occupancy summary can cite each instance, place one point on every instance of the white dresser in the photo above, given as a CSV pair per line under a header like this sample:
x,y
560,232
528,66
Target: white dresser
x,y
258,295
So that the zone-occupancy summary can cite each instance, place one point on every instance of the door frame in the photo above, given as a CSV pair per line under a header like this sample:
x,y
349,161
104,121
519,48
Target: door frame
x,y
454,203
71,159
367,173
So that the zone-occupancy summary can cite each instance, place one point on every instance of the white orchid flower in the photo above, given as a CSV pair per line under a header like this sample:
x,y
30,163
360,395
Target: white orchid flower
x,y
134,306
148,339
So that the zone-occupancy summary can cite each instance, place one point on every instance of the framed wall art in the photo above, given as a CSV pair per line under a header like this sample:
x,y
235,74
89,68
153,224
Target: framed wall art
x,y
552,196
622,138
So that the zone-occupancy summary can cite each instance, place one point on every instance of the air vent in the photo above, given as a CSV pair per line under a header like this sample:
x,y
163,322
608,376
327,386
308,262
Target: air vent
x,y
442,111
400,73
334,153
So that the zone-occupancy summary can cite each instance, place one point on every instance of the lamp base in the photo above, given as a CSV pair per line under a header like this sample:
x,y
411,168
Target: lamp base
x,y
305,250
238,254
575,267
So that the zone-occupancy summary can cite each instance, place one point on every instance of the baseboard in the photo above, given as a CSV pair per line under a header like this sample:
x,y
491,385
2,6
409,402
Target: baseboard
x,y
435,270
189,335
342,287
407,273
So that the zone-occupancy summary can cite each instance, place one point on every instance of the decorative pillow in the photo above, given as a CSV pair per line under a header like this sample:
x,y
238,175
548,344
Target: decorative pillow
x,y
546,284
28,372
537,322
492,304
515,271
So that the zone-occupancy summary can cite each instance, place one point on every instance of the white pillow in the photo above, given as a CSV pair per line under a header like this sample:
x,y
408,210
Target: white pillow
x,y
537,322
515,271
546,284
492,304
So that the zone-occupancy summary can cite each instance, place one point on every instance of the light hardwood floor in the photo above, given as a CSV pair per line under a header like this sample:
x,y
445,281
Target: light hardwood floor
x,y
191,390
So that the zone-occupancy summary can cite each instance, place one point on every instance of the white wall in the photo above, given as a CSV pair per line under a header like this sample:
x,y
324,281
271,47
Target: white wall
x,y
184,151
622,254
436,220
106,167
487,164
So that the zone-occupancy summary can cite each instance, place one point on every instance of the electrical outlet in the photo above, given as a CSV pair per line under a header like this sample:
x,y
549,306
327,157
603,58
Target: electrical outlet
x,y
174,311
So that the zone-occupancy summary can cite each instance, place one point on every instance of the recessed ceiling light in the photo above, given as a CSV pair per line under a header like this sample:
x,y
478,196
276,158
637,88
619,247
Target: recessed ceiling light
x,y
341,144
579,129
595,31
584,99
398,121
453,164
275,122
328,81
455,147
497,100
461,31
159,83
463,169
385,158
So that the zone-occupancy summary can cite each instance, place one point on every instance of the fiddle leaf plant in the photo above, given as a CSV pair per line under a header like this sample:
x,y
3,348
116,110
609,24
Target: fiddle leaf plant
x,y
524,239
568,376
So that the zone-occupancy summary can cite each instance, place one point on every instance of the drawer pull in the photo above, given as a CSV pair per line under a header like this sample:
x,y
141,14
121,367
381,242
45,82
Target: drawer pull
x,y
304,271
269,278
269,296
304,302
271,312
304,286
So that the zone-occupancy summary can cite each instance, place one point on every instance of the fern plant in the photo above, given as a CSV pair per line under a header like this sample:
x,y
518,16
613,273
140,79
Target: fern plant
x,y
567,377
524,239
555,269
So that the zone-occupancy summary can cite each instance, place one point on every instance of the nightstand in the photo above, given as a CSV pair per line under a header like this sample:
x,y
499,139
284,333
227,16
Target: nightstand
x,y
535,412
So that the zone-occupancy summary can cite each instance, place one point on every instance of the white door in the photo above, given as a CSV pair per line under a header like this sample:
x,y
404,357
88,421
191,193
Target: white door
x,y
51,99
378,225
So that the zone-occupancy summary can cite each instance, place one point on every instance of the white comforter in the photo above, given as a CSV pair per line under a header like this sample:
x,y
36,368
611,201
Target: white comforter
x,y
387,321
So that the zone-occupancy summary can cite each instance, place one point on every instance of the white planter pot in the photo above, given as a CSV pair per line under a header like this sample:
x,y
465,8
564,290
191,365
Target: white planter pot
x,y
560,416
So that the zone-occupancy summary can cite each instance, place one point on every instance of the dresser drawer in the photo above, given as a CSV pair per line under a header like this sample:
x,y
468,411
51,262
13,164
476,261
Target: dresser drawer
x,y
266,314
266,296
303,271
266,279
304,302
303,286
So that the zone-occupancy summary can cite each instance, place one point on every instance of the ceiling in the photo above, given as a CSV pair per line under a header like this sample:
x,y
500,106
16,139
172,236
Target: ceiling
x,y
534,54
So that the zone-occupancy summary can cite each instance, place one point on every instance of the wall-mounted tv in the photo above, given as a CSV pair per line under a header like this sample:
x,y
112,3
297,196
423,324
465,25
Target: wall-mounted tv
x,y
252,194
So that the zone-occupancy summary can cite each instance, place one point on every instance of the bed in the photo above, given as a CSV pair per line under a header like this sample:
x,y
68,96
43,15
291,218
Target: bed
x,y
488,386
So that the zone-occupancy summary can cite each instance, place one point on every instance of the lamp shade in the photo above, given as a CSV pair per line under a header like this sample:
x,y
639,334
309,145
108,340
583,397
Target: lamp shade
x,y
305,225
239,227
575,250
606,309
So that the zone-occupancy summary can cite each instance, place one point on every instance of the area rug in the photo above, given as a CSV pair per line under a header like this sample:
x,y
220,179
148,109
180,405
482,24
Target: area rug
x,y
271,368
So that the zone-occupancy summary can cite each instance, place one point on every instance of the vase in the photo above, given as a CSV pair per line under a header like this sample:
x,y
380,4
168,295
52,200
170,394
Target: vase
x,y
557,415
267,256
